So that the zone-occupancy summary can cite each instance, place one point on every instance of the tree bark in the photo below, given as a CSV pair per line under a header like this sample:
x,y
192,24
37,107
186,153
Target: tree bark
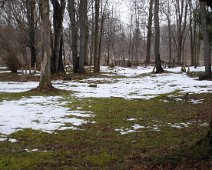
x,y
207,55
58,13
158,66
96,37
83,34
149,32
30,7
181,17
45,80
74,32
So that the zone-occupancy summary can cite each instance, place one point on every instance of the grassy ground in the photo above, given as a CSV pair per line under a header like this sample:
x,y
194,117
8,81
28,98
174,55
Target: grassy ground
x,y
100,145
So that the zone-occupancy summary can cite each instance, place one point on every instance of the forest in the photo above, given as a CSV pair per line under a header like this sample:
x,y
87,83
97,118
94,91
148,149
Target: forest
x,y
105,84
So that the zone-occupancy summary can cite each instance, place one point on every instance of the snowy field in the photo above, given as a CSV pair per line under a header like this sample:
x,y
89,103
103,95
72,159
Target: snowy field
x,y
132,85
128,83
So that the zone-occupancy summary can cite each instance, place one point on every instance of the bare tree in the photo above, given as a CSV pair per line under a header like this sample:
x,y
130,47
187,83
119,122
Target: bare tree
x,y
31,17
58,13
96,37
149,31
181,11
74,35
158,66
83,34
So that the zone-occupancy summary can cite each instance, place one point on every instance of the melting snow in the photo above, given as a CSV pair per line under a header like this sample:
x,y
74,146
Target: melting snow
x,y
39,113
47,113
129,87
137,88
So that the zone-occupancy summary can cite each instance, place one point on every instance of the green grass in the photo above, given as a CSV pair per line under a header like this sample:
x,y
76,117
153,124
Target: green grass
x,y
99,146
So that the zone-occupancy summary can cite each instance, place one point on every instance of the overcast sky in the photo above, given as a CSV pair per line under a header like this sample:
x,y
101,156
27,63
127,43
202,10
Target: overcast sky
x,y
122,9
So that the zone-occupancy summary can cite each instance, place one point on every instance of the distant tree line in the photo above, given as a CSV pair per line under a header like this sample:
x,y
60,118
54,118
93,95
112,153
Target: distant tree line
x,y
90,32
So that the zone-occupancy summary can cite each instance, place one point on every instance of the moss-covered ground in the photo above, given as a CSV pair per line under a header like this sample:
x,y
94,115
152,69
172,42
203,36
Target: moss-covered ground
x,y
100,145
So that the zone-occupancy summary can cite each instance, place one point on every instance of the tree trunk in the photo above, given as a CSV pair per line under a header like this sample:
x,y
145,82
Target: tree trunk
x,y
159,69
191,34
74,32
58,13
45,80
101,37
207,55
149,32
92,35
181,17
170,36
83,36
96,37
30,7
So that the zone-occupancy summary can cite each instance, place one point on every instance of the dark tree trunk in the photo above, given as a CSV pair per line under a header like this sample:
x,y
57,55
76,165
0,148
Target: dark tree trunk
x,y
207,54
30,6
207,140
74,32
149,32
96,37
92,35
61,64
83,34
58,13
158,66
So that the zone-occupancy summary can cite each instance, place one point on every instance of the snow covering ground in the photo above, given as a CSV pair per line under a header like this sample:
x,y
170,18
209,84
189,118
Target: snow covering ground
x,y
34,112
40,113
132,86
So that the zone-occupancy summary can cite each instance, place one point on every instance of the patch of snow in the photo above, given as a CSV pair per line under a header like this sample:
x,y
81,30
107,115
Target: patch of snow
x,y
125,131
192,69
3,139
133,129
3,68
179,125
193,101
127,71
131,119
32,150
5,71
139,70
137,88
137,126
12,87
146,87
39,113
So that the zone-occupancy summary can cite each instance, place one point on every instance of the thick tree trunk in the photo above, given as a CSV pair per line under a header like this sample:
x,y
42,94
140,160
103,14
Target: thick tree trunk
x,y
58,13
83,34
207,55
74,32
149,32
45,80
158,66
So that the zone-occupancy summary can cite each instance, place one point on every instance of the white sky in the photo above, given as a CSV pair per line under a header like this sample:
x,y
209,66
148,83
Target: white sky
x,y
122,8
